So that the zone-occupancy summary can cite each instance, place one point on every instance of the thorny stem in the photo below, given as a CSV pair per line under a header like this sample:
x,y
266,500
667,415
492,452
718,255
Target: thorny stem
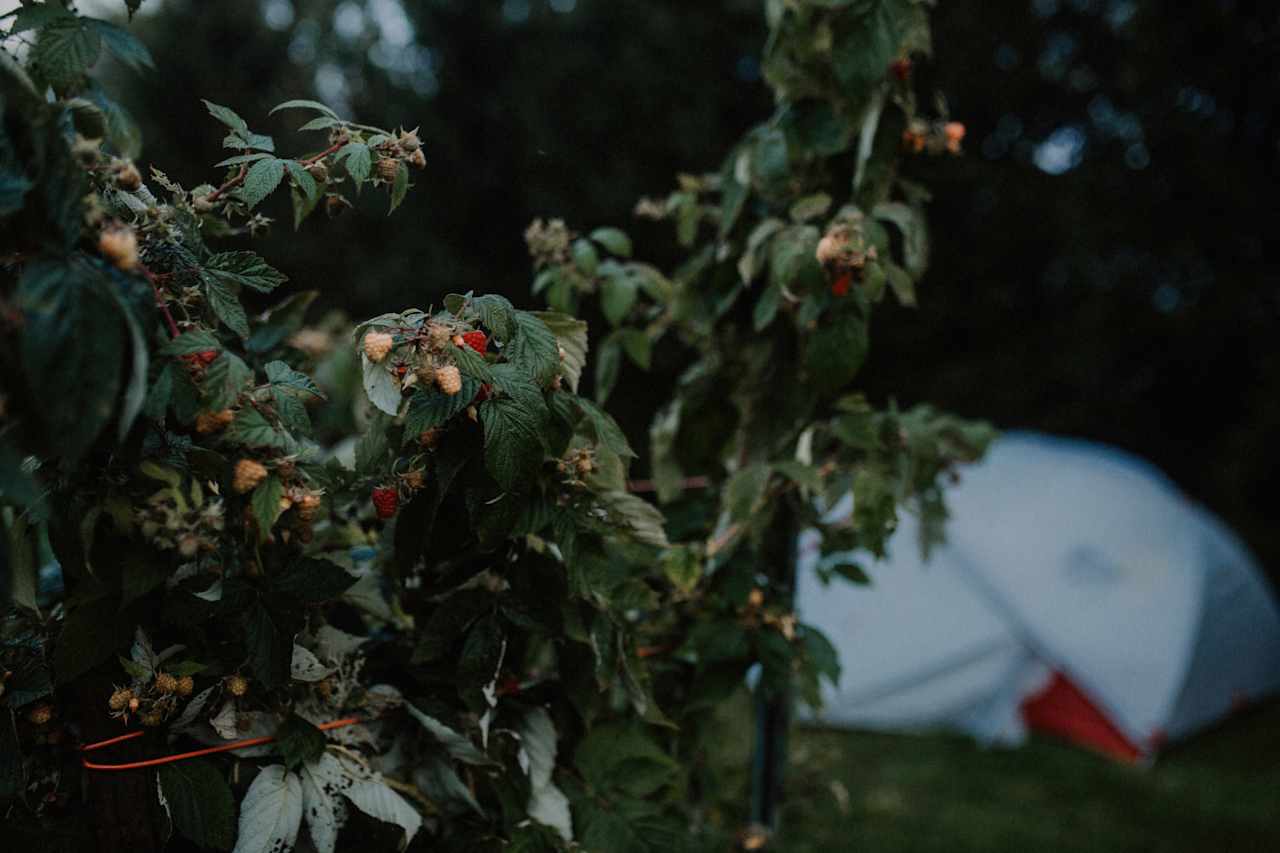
x,y
332,149
160,301
229,185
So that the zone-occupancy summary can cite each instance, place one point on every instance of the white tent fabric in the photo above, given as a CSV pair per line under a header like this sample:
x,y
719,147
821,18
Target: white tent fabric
x,y
1063,558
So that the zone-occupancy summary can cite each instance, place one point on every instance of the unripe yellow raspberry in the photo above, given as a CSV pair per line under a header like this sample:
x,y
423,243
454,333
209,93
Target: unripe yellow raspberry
x,y
207,422
248,475
166,683
414,479
127,177
120,246
237,685
418,160
377,345
40,714
186,684
449,379
120,699
152,718
387,167
437,336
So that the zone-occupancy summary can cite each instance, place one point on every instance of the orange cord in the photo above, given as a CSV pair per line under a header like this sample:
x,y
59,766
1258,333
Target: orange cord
x,y
169,759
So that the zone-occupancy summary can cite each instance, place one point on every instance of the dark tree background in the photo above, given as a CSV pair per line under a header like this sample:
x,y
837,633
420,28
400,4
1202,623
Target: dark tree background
x,y
1102,256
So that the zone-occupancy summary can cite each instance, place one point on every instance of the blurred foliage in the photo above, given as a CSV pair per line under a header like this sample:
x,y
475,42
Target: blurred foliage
x,y
1128,298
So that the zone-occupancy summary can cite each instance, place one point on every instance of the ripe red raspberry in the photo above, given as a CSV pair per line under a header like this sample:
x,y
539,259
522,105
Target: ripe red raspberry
x,y
485,392
477,341
901,68
386,500
840,287
207,356
509,686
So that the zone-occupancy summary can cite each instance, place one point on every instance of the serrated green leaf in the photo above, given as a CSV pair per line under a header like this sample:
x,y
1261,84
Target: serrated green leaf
x,y
227,116
226,306
571,335
200,802
399,187
251,429
265,505
303,104
279,373
836,350
303,180
640,519
637,346
497,314
245,269
429,408
196,340
471,363
359,161
66,48
606,428
261,180
382,389
224,380
513,449
240,159
534,347
319,123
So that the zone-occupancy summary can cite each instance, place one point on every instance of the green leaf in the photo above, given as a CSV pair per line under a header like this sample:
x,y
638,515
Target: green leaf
x,y
399,187
915,234
224,380
835,351
534,348
382,389
497,314
303,180
617,296
585,257
262,179
200,802
33,17
281,374
226,306
123,45
481,652
641,519
73,340
864,44
429,408
513,449
265,505
613,239
67,46
303,104
251,429
459,747
608,366
240,159
851,572
606,428
359,160
270,648
471,363
299,742
638,347
227,116
766,308
312,580
745,491
571,335
903,286
246,269
188,343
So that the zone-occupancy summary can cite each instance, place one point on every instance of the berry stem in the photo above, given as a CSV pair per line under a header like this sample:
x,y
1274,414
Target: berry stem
x,y
315,158
160,301
230,184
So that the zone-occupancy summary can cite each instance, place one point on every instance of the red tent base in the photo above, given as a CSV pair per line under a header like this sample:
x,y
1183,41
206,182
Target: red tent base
x,y
1062,709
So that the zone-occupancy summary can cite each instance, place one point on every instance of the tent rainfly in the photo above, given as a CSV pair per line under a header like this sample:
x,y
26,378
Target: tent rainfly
x,y
1079,593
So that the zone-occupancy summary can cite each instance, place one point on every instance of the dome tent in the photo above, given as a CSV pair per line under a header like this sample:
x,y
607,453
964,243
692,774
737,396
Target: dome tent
x,y
1079,592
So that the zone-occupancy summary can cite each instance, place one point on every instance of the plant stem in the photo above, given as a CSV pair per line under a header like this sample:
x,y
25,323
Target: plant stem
x,y
161,303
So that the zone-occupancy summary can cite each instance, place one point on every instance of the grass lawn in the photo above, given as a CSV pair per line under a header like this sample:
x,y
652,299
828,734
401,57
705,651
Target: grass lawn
x,y
876,792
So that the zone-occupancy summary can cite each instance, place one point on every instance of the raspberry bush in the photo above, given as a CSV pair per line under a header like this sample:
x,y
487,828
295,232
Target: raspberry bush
x,y
457,628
